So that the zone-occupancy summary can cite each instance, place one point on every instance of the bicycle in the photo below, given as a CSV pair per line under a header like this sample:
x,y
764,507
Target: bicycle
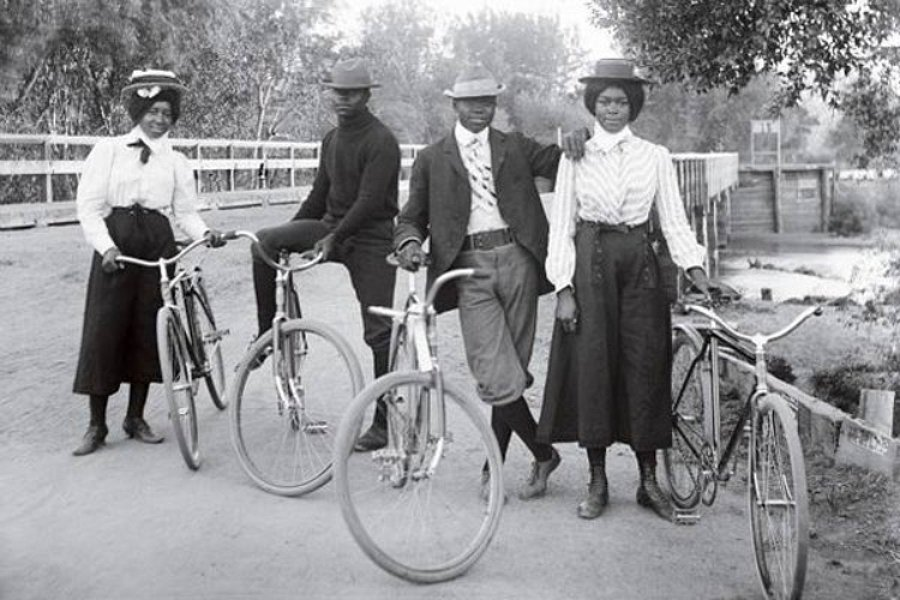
x,y
408,505
284,419
697,462
189,345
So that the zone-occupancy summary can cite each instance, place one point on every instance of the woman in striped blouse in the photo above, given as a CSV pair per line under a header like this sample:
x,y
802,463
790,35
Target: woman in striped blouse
x,y
609,374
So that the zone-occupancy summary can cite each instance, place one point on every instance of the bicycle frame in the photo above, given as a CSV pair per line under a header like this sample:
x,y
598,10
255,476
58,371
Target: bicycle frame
x,y
420,321
713,333
284,373
183,281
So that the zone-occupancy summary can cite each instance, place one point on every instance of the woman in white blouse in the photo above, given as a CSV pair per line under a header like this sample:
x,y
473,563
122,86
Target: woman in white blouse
x,y
609,374
129,188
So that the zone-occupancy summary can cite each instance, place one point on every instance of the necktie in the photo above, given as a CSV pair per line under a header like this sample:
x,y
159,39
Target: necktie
x,y
480,178
145,149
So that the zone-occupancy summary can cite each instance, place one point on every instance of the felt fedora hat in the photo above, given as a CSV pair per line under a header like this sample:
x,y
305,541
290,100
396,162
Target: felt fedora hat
x,y
620,69
148,83
350,74
474,82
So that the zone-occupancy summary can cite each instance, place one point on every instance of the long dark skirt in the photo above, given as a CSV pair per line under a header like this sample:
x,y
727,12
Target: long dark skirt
x,y
118,340
610,380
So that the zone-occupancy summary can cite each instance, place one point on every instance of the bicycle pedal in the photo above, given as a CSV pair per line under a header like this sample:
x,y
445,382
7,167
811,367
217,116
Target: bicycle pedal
x,y
315,427
686,517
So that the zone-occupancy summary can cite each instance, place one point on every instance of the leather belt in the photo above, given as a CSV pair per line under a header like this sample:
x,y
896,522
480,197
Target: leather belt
x,y
611,227
487,240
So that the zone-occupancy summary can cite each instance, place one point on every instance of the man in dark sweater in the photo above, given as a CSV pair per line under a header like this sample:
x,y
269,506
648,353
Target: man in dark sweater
x,y
348,215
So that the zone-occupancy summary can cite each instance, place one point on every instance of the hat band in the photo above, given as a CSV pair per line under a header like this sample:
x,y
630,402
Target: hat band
x,y
477,87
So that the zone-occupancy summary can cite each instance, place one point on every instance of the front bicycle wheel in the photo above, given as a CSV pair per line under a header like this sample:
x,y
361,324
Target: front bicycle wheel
x,y
690,401
779,510
415,507
210,365
178,382
285,413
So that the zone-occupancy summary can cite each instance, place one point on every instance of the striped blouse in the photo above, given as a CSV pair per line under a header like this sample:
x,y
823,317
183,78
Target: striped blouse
x,y
617,182
113,175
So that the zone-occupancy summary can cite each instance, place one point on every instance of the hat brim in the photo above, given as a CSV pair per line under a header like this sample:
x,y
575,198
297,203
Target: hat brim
x,y
350,86
181,89
475,93
633,79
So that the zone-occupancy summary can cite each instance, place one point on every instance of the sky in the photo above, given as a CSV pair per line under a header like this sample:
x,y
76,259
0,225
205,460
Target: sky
x,y
571,13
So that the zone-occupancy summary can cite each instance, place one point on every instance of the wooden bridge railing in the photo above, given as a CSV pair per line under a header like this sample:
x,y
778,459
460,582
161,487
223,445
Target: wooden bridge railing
x,y
245,172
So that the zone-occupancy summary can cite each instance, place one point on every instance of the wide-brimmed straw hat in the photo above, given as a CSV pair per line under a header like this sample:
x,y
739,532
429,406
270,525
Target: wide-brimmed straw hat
x,y
149,83
620,69
474,82
350,74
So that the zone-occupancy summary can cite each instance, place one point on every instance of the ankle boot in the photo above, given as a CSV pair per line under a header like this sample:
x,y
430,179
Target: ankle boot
x,y
649,493
537,481
93,439
597,496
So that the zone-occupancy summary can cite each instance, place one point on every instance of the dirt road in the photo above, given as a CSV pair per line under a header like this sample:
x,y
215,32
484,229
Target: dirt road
x,y
132,522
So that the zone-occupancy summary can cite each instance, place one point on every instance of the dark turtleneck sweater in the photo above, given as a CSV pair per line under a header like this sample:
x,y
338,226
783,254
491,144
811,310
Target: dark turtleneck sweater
x,y
357,178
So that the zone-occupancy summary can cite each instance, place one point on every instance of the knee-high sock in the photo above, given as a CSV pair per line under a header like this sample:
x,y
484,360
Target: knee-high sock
x,y
519,418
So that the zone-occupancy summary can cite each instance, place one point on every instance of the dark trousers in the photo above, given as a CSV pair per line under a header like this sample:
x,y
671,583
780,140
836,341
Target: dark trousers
x,y
363,255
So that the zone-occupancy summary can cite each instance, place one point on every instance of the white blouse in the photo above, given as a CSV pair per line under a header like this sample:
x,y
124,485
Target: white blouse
x,y
113,175
617,182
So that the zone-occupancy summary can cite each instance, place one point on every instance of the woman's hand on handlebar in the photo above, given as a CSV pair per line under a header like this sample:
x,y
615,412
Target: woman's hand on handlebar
x,y
410,256
110,263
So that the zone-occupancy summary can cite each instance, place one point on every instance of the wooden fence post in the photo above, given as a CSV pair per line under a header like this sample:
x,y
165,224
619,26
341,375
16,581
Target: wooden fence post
x,y
877,408
48,178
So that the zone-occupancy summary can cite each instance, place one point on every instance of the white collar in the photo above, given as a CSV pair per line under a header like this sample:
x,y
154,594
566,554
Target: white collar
x,y
605,141
160,145
464,137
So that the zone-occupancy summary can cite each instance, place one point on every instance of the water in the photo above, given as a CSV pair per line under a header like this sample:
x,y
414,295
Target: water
x,y
794,266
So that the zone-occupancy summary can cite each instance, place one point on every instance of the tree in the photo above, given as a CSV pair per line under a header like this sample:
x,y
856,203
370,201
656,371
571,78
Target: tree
x,y
810,46
533,56
398,42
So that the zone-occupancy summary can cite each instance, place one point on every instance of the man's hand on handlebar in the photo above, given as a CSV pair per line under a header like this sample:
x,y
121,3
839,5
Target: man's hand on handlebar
x,y
325,246
410,256
215,238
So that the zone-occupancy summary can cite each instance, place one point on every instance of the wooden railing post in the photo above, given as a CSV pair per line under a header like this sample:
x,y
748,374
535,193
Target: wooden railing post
x,y
231,167
48,178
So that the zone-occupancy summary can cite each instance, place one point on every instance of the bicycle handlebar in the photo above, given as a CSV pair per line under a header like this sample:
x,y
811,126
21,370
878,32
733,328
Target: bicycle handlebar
x,y
757,339
163,261
310,257
432,292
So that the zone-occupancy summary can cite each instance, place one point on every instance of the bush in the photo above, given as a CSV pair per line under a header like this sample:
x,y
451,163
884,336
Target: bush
x,y
848,220
840,386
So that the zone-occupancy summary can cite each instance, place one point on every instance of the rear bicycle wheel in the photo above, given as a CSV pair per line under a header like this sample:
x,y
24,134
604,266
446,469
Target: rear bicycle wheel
x,y
208,348
415,507
285,414
177,374
690,401
779,509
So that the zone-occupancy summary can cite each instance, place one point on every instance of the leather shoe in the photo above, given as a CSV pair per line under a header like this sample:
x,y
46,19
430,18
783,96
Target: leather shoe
x,y
537,482
93,439
137,428
375,438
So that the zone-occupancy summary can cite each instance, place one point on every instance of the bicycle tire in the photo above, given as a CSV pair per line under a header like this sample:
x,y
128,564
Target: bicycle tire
x,y
389,480
682,461
209,348
779,498
176,367
287,449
